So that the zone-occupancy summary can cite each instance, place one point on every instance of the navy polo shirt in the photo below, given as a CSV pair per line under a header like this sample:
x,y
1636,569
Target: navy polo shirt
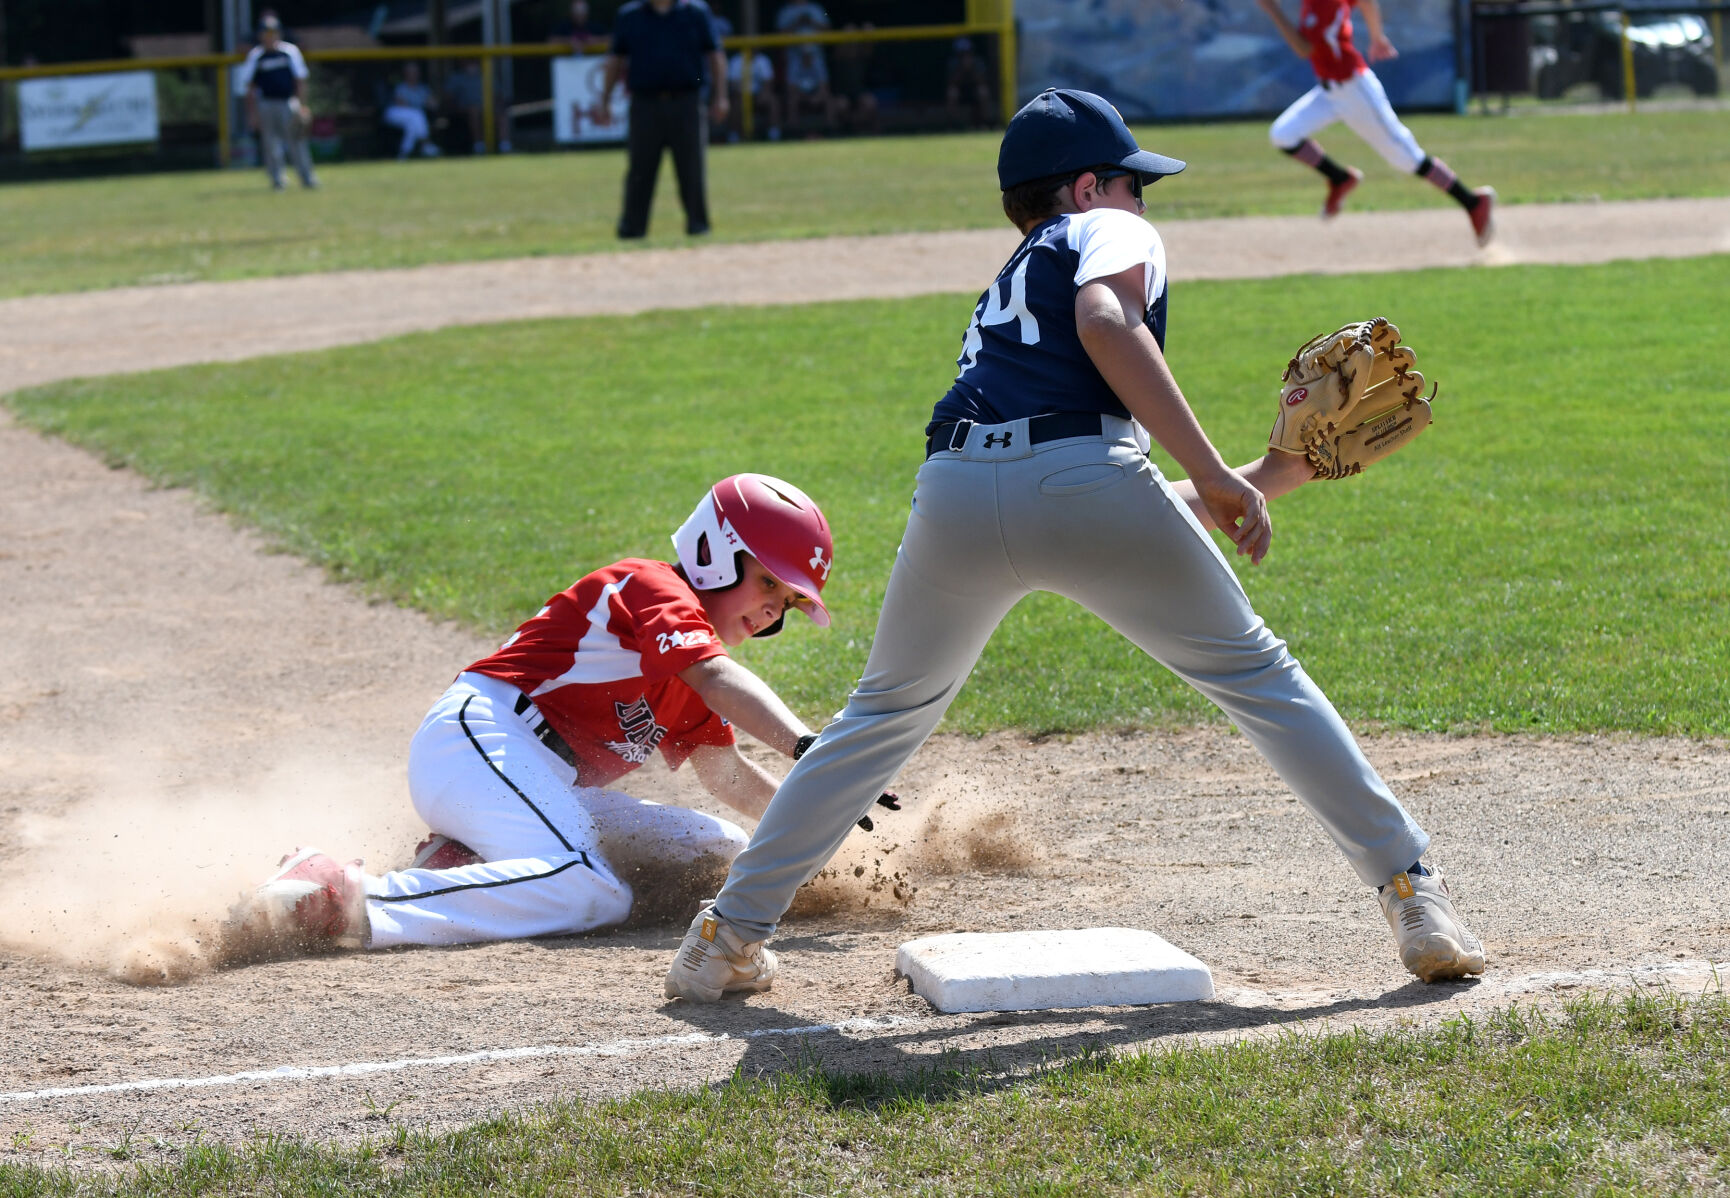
x,y
665,50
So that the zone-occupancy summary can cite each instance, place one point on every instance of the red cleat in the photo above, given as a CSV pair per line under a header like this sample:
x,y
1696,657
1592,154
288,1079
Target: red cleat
x,y
314,900
1337,192
441,852
1482,212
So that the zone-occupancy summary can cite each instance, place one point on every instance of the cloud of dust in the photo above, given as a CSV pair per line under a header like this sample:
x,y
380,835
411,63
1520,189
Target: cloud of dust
x,y
956,826
136,879
953,828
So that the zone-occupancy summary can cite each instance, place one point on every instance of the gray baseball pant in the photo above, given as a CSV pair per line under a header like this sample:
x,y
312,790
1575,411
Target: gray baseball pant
x,y
277,129
1093,520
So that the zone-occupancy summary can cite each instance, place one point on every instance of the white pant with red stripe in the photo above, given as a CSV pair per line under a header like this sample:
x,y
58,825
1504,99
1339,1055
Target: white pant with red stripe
x,y
1362,104
478,774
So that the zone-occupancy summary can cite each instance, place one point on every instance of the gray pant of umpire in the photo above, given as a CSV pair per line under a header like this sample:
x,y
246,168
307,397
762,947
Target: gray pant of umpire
x,y
278,129
1093,520
665,121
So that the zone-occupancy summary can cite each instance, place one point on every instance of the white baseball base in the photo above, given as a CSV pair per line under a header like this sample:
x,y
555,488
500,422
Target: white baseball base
x,y
1035,971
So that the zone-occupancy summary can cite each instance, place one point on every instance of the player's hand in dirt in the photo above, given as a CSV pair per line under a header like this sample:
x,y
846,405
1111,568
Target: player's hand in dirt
x,y
888,799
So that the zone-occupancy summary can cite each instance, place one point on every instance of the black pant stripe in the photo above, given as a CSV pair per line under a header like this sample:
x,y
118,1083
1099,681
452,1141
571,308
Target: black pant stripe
x,y
462,718
582,860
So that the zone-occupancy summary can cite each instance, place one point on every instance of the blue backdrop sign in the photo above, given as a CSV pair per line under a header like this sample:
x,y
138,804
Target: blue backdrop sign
x,y
1196,58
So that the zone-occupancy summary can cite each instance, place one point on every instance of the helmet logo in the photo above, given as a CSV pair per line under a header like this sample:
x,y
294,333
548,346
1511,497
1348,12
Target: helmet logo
x,y
817,562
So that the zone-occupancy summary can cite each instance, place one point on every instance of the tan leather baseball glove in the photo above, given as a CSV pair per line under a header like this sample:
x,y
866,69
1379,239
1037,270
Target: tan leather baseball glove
x,y
1350,398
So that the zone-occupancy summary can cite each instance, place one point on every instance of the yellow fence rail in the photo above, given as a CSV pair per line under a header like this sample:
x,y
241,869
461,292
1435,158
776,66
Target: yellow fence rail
x,y
988,18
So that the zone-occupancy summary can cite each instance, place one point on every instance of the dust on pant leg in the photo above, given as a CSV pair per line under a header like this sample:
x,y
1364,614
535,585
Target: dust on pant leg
x,y
672,857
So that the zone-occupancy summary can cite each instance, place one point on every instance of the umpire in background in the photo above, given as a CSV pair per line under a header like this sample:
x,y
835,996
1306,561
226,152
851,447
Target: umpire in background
x,y
659,49
274,75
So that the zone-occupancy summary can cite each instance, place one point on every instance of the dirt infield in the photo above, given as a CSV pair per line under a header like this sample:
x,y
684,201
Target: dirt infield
x,y
136,328
183,705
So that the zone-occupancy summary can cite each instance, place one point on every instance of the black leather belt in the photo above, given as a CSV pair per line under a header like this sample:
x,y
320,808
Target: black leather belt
x,y
1052,426
544,733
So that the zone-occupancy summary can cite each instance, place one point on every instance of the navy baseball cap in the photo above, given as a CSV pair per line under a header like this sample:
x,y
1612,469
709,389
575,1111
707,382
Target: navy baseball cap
x,y
1063,132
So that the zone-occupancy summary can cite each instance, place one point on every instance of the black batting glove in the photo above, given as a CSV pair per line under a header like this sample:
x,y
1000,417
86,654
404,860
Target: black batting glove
x,y
888,799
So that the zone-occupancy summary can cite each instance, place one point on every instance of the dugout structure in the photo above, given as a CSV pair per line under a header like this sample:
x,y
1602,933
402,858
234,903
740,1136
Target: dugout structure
x,y
200,112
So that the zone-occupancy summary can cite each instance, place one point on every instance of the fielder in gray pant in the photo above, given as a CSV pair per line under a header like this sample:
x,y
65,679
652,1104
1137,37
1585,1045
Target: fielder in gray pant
x,y
1037,478
279,131
1093,520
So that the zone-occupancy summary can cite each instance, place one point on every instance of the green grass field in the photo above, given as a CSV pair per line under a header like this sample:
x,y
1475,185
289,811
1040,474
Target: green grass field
x,y
1552,556
1603,1098
169,228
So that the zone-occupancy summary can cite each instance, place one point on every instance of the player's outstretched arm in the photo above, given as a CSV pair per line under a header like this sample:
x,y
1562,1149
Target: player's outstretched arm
x,y
731,691
1108,319
733,778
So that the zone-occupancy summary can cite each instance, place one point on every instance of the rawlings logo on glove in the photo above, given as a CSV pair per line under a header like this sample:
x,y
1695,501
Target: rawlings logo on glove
x,y
1350,398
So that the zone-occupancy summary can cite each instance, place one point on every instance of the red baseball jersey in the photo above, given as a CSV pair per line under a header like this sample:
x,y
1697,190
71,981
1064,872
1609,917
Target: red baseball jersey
x,y
601,661
1327,25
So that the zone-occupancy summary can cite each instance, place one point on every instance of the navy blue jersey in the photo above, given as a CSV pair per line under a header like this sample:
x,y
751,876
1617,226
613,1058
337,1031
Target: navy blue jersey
x,y
665,51
273,72
1022,355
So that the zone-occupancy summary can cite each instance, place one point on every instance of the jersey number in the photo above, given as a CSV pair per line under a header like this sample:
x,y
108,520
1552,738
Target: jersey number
x,y
992,310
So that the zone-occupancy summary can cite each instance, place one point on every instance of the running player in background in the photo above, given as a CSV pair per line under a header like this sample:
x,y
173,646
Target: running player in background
x,y
1347,90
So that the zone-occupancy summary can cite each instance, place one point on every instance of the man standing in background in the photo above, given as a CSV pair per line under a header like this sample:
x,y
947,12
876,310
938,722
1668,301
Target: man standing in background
x,y
274,75
659,50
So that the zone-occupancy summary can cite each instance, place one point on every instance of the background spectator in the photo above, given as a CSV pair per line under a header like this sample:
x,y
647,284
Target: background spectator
x,y
274,76
766,103
410,101
463,96
968,91
578,29
853,95
807,74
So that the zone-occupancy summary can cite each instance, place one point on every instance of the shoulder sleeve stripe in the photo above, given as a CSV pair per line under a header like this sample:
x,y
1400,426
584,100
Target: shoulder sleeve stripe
x,y
599,657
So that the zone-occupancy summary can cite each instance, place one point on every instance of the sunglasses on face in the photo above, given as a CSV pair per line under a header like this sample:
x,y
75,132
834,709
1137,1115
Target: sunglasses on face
x,y
1134,178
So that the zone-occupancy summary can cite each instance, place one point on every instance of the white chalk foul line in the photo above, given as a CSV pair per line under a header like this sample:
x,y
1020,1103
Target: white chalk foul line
x,y
297,1073
1518,984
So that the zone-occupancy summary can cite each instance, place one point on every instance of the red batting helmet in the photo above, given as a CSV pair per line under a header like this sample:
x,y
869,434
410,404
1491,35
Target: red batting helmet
x,y
776,523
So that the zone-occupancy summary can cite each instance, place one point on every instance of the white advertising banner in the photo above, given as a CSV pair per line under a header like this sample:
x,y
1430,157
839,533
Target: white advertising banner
x,y
577,85
87,110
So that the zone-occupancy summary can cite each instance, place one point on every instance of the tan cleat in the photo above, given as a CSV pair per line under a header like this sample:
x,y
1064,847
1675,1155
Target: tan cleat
x,y
1434,943
714,961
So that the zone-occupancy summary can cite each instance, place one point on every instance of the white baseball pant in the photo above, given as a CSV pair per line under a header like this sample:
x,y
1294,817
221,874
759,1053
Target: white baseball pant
x,y
1362,104
1091,519
478,774
412,122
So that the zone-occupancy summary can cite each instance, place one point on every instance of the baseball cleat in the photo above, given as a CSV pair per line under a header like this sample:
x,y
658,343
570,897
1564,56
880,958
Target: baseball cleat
x,y
441,852
311,901
1434,943
1337,192
1482,213
713,961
